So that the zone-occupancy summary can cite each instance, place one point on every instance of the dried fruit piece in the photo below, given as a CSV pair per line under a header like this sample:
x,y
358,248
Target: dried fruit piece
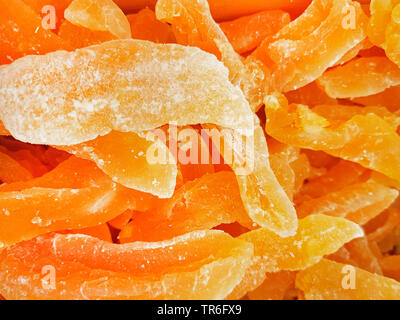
x,y
274,286
360,77
193,25
76,194
388,99
317,235
331,280
126,158
22,33
87,268
11,170
198,205
310,95
145,26
391,266
138,96
301,51
359,202
80,37
391,219
367,136
3,130
102,232
99,15
246,33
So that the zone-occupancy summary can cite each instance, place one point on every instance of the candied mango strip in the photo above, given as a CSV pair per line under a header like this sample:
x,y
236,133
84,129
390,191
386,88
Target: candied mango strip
x,y
22,33
263,197
11,170
358,203
317,235
79,37
99,15
380,15
124,158
129,93
145,26
392,220
246,33
327,280
193,25
202,204
76,194
301,51
87,268
311,95
360,77
274,286
364,135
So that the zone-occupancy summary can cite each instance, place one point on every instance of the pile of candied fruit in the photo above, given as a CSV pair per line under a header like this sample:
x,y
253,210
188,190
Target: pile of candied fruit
x,y
185,149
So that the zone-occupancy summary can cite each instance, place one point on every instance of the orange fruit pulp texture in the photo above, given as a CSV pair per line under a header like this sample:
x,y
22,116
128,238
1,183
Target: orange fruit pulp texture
x,y
360,77
246,33
75,194
388,98
225,10
193,25
348,132
22,32
353,202
317,235
124,158
89,268
331,280
84,110
274,286
296,56
391,266
201,204
99,15
11,170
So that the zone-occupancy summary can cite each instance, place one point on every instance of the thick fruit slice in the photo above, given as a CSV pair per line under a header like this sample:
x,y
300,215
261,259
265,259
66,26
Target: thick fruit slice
x,y
193,25
359,202
125,157
361,77
22,33
198,205
246,33
99,15
301,51
366,135
329,280
199,265
317,235
120,88
76,194
145,26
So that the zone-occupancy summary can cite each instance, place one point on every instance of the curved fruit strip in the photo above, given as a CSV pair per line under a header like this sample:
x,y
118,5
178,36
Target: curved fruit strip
x,y
99,15
332,280
263,197
301,51
317,236
362,47
198,265
274,286
390,223
101,231
11,170
310,95
145,26
138,96
364,135
201,204
22,33
126,159
358,253
76,194
79,37
247,32
358,203
360,77
193,25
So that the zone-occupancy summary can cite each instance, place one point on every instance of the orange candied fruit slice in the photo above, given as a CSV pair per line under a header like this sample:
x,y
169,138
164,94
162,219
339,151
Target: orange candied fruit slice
x,y
99,15
88,268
